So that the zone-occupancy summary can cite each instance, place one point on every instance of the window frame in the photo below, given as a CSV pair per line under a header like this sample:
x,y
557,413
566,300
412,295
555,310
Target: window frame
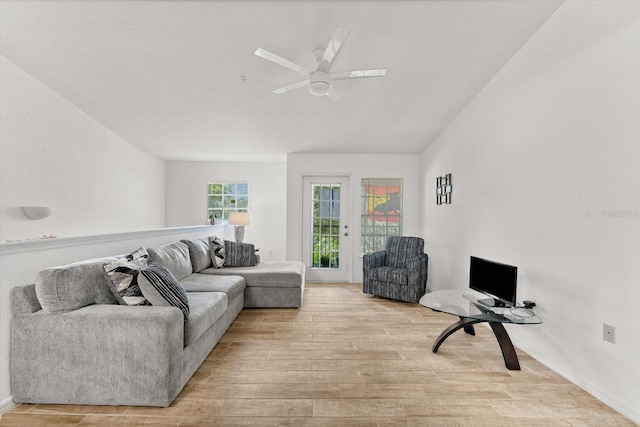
x,y
228,200
374,236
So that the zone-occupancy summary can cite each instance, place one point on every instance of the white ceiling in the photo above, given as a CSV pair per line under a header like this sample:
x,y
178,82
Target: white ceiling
x,y
165,75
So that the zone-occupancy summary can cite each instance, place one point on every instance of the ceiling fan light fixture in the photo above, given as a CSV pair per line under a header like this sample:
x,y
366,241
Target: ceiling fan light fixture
x,y
319,88
319,83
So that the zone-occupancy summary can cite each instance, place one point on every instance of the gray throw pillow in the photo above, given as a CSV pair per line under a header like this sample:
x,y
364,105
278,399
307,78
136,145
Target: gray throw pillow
x,y
199,253
122,275
174,256
239,254
160,287
216,247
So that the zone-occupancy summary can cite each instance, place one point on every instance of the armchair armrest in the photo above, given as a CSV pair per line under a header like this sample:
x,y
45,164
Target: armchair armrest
x,y
371,261
421,259
99,354
374,259
418,275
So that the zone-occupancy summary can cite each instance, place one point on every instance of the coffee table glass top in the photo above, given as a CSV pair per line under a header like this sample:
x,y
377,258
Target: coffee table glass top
x,y
464,303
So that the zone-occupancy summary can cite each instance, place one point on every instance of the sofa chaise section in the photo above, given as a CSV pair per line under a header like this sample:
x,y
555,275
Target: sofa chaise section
x,y
268,284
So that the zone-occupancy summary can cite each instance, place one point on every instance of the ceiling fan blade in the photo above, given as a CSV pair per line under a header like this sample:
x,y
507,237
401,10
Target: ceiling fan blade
x,y
291,87
333,47
334,95
281,61
358,74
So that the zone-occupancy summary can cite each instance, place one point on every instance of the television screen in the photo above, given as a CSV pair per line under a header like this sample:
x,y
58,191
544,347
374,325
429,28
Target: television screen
x,y
495,280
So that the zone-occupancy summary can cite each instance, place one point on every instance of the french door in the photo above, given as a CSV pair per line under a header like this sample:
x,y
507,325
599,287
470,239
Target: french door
x,y
325,245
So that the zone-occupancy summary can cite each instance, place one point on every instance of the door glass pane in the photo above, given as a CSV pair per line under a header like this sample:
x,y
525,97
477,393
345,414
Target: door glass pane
x,y
325,230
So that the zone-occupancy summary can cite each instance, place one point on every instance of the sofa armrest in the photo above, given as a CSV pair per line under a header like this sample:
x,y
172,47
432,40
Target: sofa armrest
x,y
24,300
99,354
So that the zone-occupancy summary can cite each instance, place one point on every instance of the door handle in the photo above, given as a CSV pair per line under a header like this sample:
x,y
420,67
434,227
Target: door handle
x,y
346,234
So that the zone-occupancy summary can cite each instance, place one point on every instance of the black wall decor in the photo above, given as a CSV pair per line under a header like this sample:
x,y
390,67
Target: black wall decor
x,y
443,189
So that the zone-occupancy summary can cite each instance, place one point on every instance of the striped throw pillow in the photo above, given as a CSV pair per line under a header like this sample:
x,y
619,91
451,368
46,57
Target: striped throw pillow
x,y
239,254
160,287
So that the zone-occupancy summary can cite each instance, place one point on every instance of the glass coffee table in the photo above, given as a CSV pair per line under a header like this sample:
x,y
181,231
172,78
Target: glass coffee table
x,y
464,304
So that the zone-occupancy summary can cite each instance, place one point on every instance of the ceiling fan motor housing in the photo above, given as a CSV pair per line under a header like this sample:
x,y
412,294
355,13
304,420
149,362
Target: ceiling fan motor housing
x,y
319,83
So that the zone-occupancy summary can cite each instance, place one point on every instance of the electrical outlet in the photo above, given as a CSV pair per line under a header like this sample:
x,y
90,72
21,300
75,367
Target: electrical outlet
x,y
609,333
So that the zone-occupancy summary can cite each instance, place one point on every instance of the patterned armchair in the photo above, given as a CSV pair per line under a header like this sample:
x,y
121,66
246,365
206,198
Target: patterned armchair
x,y
399,272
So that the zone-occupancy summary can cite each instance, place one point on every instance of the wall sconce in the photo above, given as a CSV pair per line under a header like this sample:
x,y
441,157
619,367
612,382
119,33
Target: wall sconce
x,y
38,212
443,189
239,220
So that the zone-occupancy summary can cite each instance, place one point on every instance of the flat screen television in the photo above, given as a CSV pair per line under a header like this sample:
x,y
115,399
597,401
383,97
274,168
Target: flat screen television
x,y
496,280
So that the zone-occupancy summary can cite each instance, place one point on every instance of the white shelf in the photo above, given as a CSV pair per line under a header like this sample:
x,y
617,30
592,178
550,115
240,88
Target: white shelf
x,y
31,245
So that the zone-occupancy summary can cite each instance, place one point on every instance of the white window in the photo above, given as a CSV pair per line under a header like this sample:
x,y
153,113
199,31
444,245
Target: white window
x,y
381,212
225,197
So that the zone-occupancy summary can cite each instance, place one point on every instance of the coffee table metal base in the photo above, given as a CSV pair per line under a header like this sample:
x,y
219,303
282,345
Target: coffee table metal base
x,y
506,346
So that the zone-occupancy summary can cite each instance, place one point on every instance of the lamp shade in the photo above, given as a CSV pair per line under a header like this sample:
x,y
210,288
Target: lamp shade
x,y
239,218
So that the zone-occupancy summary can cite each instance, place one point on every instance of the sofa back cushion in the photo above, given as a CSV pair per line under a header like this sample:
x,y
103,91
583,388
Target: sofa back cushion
x,y
199,253
174,256
74,286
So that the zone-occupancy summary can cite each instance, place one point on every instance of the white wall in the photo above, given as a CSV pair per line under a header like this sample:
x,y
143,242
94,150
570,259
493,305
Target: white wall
x,y
356,167
187,199
53,154
546,176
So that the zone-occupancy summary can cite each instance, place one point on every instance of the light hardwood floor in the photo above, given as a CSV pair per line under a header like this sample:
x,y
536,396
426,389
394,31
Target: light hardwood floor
x,y
350,359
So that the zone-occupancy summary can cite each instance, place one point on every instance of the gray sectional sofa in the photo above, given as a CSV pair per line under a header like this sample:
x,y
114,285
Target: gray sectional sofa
x,y
72,343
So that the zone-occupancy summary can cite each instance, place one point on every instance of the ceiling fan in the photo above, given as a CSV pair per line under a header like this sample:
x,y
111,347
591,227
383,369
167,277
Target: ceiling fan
x,y
319,80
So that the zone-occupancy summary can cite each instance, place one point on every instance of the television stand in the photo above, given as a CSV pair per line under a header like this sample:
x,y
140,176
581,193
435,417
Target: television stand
x,y
467,307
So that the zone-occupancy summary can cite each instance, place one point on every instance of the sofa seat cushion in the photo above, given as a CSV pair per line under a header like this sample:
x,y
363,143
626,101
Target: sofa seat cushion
x,y
399,276
174,256
74,286
230,285
276,274
205,309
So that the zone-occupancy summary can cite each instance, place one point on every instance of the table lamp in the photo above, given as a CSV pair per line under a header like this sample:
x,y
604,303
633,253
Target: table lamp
x,y
239,220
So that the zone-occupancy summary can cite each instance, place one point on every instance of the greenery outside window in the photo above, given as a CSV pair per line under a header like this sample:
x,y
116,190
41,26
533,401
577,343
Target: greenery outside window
x,y
224,197
381,213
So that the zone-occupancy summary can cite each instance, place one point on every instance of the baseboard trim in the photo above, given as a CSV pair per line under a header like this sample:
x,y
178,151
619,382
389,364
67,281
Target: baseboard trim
x,y
6,405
